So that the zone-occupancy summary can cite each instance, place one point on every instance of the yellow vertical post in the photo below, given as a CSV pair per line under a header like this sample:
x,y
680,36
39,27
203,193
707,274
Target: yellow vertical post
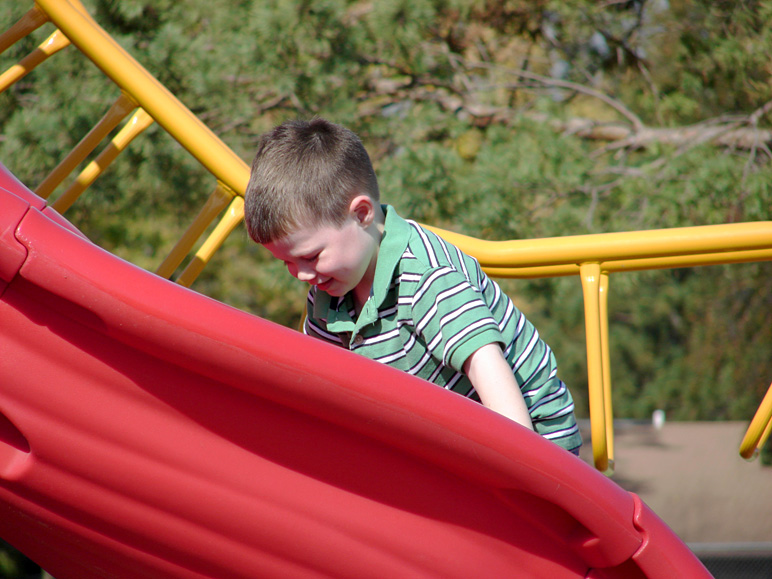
x,y
603,289
765,434
119,111
137,123
233,216
217,201
53,44
27,24
759,428
590,275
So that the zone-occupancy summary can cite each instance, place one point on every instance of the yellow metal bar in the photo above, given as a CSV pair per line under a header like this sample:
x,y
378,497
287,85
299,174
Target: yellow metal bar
x,y
139,121
516,272
692,259
217,201
608,411
148,93
765,435
590,275
628,265
228,223
53,44
31,21
610,247
759,428
120,109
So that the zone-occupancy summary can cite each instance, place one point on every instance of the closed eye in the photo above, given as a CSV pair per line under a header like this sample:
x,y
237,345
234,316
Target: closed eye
x,y
310,258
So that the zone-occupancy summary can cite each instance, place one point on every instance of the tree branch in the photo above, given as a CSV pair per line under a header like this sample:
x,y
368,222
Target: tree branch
x,y
545,81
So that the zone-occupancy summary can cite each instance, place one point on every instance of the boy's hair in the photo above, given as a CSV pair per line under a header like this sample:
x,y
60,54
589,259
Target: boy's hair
x,y
305,173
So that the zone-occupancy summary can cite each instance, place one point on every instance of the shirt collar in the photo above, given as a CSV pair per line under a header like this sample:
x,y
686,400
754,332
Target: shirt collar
x,y
394,242
396,234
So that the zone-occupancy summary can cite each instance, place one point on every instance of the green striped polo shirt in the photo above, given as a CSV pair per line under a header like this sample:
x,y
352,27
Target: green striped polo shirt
x,y
430,307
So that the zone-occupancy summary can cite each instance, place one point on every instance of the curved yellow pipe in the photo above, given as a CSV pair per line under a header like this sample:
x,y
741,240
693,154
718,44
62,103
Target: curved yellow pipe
x,y
151,95
759,428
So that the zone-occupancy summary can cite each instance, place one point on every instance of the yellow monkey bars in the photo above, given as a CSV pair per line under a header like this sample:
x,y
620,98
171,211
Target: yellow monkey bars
x,y
591,257
153,103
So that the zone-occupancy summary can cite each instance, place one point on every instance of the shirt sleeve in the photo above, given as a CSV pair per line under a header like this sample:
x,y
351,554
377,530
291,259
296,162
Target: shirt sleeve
x,y
315,324
450,315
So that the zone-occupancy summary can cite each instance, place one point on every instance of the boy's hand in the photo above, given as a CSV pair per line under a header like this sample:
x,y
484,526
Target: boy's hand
x,y
491,376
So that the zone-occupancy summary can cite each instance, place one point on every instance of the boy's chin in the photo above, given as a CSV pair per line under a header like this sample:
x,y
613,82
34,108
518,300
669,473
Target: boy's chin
x,y
335,290
331,288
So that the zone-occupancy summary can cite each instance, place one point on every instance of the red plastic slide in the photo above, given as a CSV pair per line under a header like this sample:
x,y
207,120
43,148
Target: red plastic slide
x,y
149,431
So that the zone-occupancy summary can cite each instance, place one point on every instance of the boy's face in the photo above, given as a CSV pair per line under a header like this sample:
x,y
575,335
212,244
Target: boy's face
x,y
336,260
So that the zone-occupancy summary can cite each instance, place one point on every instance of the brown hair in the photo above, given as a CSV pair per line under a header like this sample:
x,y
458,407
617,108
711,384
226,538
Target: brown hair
x,y
305,172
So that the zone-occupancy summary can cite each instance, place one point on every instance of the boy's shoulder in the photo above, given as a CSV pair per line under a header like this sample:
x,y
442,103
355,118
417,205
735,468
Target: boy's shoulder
x,y
408,247
408,241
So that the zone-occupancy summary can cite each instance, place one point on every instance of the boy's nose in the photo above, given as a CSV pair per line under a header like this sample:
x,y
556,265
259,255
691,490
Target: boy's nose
x,y
306,274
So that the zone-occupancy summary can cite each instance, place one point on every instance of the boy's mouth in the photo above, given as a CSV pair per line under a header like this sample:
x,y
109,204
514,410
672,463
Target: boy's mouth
x,y
324,285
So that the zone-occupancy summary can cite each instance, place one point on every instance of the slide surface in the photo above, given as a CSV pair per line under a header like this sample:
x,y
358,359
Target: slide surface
x,y
149,431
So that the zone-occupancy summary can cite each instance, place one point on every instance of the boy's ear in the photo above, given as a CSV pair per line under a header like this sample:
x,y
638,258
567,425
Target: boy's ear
x,y
362,209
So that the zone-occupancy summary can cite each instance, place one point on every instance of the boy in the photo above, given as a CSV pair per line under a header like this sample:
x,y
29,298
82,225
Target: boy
x,y
388,289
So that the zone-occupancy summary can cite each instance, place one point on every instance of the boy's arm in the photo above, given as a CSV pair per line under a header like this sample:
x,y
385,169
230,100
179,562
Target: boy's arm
x,y
491,376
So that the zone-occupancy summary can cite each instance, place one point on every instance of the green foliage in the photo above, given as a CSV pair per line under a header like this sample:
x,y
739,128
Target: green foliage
x,y
407,77
14,565
766,454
